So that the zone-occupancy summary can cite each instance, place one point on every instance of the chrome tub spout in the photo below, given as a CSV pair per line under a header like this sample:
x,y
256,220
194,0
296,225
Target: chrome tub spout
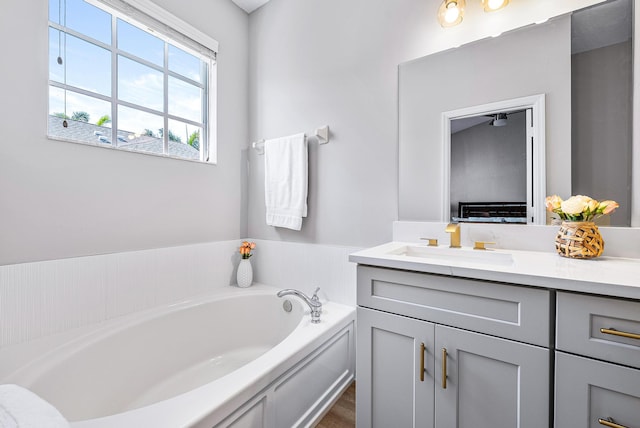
x,y
314,301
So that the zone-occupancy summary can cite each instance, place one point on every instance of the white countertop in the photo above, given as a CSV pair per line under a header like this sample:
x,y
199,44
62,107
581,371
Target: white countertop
x,y
609,276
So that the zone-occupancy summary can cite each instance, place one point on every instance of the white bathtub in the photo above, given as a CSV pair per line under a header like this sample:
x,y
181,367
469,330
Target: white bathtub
x,y
232,358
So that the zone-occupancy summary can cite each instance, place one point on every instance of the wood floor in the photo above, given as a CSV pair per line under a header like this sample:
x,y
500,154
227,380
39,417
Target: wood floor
x,y
343,413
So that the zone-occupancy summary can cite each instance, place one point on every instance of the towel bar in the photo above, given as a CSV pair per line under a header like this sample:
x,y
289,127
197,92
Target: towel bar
x,y
321,134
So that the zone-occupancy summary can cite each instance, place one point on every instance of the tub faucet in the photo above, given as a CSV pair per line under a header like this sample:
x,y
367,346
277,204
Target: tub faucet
x,y
314,302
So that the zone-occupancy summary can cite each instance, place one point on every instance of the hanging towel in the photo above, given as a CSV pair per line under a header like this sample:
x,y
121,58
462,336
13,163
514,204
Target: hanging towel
x,y
286,181
21,408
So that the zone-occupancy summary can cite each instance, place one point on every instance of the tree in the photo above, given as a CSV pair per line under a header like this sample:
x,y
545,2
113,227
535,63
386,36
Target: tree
x,y
148,133
172,136
103,120
194,140
81,116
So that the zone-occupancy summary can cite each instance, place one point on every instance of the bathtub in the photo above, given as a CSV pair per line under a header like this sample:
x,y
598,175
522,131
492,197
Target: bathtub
x,y
234,358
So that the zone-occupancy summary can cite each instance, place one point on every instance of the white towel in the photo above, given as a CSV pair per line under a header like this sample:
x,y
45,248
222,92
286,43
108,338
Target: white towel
x,y
21,408
286,181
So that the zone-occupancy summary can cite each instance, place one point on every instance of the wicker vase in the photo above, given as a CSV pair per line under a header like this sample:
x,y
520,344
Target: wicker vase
x,y
579,240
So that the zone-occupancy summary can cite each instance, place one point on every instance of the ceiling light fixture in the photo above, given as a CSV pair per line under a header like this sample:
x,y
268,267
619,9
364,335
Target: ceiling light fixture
x,y
499,120
451,12
493,5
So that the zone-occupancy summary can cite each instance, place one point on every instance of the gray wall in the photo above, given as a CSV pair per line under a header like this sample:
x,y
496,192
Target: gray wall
x,y
335,62
533,60
61,200
601,135
489,163
312,62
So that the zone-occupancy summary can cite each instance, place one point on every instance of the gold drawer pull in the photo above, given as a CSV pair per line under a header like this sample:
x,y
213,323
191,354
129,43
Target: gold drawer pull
x,y
444,368
422,370
619,333
610,423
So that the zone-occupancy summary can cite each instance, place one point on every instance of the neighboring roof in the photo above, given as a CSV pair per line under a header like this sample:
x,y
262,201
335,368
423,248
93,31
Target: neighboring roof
x,y
88,132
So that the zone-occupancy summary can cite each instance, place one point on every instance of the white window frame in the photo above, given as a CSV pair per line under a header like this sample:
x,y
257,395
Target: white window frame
x,y
171,29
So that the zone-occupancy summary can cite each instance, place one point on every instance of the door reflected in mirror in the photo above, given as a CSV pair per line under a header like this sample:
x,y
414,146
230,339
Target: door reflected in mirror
x,y
496,158
488,168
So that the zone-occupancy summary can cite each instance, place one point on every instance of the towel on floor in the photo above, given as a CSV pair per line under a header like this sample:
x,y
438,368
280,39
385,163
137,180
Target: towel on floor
x,y
286,181
21,408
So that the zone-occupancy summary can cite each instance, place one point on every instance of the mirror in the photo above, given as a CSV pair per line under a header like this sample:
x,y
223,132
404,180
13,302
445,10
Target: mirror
x,y
583,144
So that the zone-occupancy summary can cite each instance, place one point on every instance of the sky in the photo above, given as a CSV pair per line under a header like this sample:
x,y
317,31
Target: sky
x,y
88,66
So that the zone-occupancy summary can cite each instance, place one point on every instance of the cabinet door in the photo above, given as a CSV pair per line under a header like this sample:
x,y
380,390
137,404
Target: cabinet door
x,y
589,390
390,390
490,382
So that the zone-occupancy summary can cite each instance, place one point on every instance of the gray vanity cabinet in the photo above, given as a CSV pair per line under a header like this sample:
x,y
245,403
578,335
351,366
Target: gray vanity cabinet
x,y
491,382
393,351
597,362
477,373
595,394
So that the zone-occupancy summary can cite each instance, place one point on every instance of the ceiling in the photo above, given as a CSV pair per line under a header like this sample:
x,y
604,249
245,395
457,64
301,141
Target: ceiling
x,y
250,5
601,25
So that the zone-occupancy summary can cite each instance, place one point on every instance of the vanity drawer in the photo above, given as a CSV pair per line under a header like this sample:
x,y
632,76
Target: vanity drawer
x,y
512,312
596,327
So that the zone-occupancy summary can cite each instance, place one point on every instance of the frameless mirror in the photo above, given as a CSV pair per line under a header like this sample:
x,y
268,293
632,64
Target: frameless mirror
x,y
583,63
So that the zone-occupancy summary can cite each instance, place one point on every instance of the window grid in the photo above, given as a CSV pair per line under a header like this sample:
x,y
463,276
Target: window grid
x,y
114,99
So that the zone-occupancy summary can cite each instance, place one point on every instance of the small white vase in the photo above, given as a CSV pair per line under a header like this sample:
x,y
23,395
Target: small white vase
x,y
245,273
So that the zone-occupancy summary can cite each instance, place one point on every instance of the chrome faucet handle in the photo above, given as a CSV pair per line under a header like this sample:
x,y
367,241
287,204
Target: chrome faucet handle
x,y
316,310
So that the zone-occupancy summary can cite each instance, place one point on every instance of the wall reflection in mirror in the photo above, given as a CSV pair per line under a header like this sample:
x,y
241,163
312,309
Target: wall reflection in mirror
x,y
601,99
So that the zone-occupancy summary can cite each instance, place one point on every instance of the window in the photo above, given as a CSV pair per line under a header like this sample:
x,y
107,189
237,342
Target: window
x,y
120,77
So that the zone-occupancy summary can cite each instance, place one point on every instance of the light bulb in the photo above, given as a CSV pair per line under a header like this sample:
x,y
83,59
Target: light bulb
x,y
451,14
493,5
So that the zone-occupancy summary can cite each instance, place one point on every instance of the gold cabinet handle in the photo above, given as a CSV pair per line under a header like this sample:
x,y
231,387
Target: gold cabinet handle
x,y
444,368
610,423
422,370
619,333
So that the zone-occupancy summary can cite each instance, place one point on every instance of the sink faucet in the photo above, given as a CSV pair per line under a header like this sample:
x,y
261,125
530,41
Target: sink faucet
x,y
454,230
314,302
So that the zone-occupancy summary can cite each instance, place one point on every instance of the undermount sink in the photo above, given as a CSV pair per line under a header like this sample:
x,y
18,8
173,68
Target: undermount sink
x,y
453,254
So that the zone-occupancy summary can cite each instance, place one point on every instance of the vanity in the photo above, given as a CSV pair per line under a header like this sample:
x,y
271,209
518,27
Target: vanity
x,y
469,338
456,337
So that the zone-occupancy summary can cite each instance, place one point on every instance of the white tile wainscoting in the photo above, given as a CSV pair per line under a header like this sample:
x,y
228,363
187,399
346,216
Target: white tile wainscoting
x,y
307,266
40,299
